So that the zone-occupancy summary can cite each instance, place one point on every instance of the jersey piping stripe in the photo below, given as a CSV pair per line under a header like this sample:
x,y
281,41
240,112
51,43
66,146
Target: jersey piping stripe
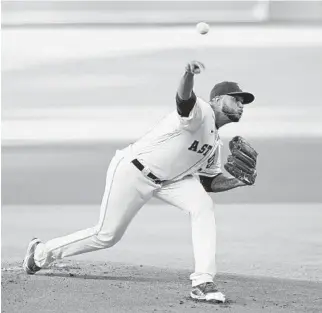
x,y
105,199
101,222
198,162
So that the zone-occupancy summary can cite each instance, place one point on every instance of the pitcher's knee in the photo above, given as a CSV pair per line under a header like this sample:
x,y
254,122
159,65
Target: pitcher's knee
x,y
107,239
205,206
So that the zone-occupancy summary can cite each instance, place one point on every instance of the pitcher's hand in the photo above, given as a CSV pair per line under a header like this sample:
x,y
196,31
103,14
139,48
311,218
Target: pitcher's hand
x,y
195,67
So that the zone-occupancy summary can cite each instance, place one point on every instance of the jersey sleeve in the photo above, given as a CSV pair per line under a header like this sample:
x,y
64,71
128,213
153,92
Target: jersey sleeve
x,y
213,167
195,116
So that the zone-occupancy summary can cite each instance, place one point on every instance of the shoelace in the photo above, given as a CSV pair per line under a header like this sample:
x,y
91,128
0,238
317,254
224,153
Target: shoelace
x,y
210,287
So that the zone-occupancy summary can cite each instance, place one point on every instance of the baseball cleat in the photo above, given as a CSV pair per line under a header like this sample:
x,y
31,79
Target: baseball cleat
x,y
207,292
29,265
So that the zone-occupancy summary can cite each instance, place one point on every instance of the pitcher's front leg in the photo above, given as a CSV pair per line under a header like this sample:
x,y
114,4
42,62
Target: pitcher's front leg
x,y
203,228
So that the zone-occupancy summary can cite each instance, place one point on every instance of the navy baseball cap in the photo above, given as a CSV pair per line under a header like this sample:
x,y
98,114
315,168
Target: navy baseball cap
x,y
231,89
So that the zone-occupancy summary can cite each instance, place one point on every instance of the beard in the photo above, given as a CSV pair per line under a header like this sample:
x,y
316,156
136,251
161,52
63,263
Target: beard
x,y
231,113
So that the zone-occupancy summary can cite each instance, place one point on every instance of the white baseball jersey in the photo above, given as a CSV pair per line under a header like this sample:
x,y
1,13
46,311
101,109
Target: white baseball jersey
x,y
179,146
176,149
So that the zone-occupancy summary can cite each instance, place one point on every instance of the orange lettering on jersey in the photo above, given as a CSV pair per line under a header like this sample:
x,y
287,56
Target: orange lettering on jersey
x,y
204,149
208,149
211,161
194,146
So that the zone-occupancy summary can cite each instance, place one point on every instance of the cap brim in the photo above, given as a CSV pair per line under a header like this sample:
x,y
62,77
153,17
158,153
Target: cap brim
x,y
247,96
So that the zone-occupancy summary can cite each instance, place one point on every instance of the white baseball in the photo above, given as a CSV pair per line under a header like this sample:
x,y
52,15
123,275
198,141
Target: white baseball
x,y
203,28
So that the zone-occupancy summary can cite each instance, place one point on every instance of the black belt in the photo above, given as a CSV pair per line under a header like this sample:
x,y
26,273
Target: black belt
x,y
140,166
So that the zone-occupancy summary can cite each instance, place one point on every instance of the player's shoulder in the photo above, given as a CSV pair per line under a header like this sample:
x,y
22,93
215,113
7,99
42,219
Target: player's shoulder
x,y
202,101
206,109
205,105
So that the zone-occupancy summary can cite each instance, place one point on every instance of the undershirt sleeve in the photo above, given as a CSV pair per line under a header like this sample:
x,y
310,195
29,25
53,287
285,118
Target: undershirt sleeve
x,y
206,182
184,107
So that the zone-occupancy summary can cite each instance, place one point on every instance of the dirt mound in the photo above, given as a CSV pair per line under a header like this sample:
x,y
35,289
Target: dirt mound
x,y
109,287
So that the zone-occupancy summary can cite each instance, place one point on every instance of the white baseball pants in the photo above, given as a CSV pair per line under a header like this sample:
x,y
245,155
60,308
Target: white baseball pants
x,y
126,191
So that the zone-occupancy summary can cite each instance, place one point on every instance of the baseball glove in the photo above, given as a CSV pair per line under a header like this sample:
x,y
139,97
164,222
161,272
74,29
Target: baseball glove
x,y
242,161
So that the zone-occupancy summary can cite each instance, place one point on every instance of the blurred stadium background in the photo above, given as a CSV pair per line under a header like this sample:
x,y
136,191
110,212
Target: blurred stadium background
x,y
82,78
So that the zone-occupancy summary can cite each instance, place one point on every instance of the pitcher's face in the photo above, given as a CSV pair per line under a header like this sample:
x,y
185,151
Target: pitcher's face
x,y
232,107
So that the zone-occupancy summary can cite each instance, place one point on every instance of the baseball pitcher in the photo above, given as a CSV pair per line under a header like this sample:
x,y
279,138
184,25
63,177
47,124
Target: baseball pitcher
x,y
179,162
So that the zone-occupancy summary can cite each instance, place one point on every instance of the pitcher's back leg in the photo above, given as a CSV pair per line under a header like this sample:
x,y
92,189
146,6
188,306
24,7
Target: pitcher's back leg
x,y
127,190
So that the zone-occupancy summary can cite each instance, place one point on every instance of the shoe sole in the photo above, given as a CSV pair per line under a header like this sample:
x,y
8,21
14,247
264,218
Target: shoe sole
x,y
215,296
30,251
